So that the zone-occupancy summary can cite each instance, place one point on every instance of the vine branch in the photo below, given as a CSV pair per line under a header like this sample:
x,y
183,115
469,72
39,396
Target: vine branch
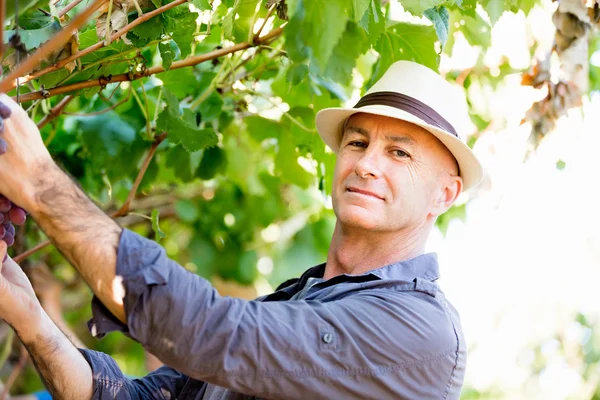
x,y
55,111
188,62
101,44
51,45
136,184
68,8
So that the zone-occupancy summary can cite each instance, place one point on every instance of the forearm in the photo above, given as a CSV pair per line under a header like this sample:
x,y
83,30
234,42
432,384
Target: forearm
x,y
64,371
82,232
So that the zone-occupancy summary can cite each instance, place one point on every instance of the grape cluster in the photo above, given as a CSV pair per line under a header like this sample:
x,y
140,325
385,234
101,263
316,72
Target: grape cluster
x,y
4,114
10,214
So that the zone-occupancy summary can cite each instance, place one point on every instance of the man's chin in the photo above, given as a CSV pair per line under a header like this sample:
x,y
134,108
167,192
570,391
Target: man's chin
x,y
358,218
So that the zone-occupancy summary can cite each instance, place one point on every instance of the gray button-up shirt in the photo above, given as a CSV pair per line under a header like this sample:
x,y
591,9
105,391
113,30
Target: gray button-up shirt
x,y
389,333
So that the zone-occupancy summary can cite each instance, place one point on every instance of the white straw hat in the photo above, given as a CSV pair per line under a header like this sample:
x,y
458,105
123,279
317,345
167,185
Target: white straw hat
x,y
413,93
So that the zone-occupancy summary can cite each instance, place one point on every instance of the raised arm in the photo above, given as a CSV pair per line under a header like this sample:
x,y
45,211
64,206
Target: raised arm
x,y
57,360
82,232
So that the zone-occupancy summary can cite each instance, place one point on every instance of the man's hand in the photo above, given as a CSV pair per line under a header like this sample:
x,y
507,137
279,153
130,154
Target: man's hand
x,y
26,159
19,306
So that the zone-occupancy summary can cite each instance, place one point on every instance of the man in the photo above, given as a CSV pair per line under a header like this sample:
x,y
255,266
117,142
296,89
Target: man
x,y
369,323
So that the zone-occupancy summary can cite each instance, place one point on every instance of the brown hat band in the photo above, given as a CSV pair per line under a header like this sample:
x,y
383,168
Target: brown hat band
x,y
408,104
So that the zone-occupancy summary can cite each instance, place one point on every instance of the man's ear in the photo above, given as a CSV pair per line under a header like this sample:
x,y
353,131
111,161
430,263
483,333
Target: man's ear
x,y
447,195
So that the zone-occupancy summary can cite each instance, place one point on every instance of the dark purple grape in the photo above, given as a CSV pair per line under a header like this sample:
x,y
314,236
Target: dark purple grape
x,y
1,218
3,146
2,231
17,215
5,203
9,228
4,111
9,239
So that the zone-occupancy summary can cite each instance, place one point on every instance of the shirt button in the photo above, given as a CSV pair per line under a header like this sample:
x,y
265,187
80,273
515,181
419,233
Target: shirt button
x,y
327,338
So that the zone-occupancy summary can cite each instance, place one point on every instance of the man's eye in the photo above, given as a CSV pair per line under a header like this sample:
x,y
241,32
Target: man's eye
x,y
357,144
401,153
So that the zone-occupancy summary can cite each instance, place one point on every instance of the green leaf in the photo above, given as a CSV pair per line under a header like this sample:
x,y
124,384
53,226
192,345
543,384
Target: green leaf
x,y
33,38
228,20
159,234
167,55
286,163
315,29
211,107
297,73
418,7
476,31
439,17
353,43
359,7
149,30
171,101
202,4
186,210
404,41
261,128
179,160
373,21
180,131
214,161
455,212
181,24
181,81
494,9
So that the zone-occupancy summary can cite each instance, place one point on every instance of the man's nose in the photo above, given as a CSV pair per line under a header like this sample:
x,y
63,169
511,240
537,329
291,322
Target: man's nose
x,y
369,164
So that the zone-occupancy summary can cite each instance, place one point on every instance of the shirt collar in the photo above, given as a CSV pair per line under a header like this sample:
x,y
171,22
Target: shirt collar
x,y
423,266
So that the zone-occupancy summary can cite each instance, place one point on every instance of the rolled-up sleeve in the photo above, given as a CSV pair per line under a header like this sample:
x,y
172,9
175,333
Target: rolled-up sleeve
x,y
380,344
111,384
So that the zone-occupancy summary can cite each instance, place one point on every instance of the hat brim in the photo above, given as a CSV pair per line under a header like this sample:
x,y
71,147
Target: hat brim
x,y
330,122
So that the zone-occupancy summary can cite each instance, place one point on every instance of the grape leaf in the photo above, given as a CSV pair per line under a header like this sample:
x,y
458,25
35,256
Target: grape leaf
x,y
315,29
262,128
211,107
214,161
159,234
359,7
33,38
178,159
181,24
439,17
181,131
476,30
353,43
186,210
149,30
167,55
181,81
202,4
373,21
404,41
286,163
418,7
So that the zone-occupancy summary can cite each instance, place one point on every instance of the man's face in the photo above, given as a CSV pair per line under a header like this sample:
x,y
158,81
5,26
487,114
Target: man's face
x,y
391,175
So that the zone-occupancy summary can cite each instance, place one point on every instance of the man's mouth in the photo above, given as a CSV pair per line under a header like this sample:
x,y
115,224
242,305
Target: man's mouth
x,y
363,192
